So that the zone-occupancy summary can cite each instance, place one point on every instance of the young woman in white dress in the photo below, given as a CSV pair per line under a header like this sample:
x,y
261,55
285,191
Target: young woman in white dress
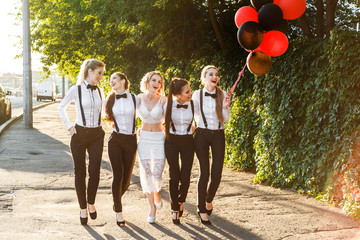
x,y
151,139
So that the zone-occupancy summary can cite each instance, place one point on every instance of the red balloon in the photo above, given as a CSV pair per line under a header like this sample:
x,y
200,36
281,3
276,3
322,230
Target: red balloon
x,y
292,9
245,14
274,43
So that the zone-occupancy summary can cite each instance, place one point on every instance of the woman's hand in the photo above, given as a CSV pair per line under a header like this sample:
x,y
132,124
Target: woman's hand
x,y
226,103
72,131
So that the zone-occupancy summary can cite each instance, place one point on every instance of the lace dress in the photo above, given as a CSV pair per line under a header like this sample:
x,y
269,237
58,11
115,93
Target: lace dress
x,y
151,149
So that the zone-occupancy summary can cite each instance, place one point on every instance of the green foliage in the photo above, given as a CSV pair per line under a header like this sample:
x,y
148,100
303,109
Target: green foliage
x,y
299,125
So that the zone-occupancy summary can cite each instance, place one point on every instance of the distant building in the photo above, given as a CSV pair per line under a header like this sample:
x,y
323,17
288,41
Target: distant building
x,y
14,82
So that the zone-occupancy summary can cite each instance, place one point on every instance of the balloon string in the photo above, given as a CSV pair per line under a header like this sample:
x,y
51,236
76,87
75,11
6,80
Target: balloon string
x,y
231,91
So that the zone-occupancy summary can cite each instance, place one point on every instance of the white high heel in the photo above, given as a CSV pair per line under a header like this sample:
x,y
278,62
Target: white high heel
x,y
151,219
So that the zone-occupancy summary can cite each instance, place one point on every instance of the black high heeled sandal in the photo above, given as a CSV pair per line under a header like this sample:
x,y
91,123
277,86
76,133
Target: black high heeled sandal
x,y
120,224
177,220
205,222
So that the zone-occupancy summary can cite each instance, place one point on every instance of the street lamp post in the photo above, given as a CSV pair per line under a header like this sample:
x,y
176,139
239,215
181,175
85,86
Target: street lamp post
x,y
27,79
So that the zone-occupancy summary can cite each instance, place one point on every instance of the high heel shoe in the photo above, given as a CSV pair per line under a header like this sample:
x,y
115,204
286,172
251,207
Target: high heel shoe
x,y
182,209
177,220
93,215
120,223
84,220
205,222
151,219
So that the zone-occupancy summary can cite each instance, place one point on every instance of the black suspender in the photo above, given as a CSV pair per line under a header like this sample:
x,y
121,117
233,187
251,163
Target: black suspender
x,y
99,122
202,111
190,124
134,123
82,109
192,109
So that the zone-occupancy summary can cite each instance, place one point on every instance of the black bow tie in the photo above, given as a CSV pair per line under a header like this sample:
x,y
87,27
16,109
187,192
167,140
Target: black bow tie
x,y
182,106
121,96
92,87
213,95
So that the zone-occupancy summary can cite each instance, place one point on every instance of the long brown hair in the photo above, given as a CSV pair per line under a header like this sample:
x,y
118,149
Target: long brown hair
x,y
219,94
175,87
111,99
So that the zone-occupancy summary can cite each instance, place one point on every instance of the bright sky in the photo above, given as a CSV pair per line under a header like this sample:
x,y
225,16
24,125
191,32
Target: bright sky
x,y
9,39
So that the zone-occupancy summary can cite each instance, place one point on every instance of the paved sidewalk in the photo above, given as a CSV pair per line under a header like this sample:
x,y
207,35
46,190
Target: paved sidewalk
x,y
38,200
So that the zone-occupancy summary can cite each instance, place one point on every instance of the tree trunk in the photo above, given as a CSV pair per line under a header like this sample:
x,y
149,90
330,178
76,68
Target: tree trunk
x,y
305,27
215,25
221,16
330,15
319,18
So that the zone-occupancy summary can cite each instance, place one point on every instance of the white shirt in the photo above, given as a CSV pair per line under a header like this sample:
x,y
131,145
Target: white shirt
x,y
91,102
181,118
209,108
123,111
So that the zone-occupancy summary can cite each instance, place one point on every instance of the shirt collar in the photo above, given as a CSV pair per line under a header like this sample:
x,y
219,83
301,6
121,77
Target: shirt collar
x,y
209,91
176,102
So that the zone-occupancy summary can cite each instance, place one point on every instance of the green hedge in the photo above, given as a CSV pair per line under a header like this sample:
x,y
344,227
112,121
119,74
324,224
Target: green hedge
x,y
306,114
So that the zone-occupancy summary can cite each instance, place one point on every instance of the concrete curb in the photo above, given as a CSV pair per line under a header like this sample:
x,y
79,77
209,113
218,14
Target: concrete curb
x,y
12,120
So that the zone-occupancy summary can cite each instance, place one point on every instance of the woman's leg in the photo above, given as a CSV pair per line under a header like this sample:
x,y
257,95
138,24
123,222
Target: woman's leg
x,y
202,153
129,155
187,159
95,150
116,159
172,156
78,151
217,152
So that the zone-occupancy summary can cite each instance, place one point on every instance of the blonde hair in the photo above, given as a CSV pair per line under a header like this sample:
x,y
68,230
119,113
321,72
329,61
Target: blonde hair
x,y
146,79
219,93
85,66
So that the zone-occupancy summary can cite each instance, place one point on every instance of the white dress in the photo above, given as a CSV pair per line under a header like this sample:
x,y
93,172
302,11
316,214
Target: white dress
x,y
151,149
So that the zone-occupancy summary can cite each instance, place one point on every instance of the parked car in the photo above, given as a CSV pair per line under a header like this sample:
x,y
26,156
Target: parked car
x,y
46,90
5,106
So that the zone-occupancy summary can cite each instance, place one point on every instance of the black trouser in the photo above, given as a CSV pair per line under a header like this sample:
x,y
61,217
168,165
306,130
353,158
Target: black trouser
x,y
122,152
179,174
204,139
92,140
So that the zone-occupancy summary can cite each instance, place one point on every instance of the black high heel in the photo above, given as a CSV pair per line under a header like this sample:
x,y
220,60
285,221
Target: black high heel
x,y
84,220
177,220
208,212
204,221
93,215
120,224
181,211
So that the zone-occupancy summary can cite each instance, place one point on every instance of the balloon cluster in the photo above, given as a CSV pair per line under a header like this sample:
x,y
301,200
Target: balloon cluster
x,y
263,28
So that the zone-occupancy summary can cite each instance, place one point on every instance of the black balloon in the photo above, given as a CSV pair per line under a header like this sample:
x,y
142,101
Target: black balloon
x,y
269,16
250,35
257,4
283,26
259,63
